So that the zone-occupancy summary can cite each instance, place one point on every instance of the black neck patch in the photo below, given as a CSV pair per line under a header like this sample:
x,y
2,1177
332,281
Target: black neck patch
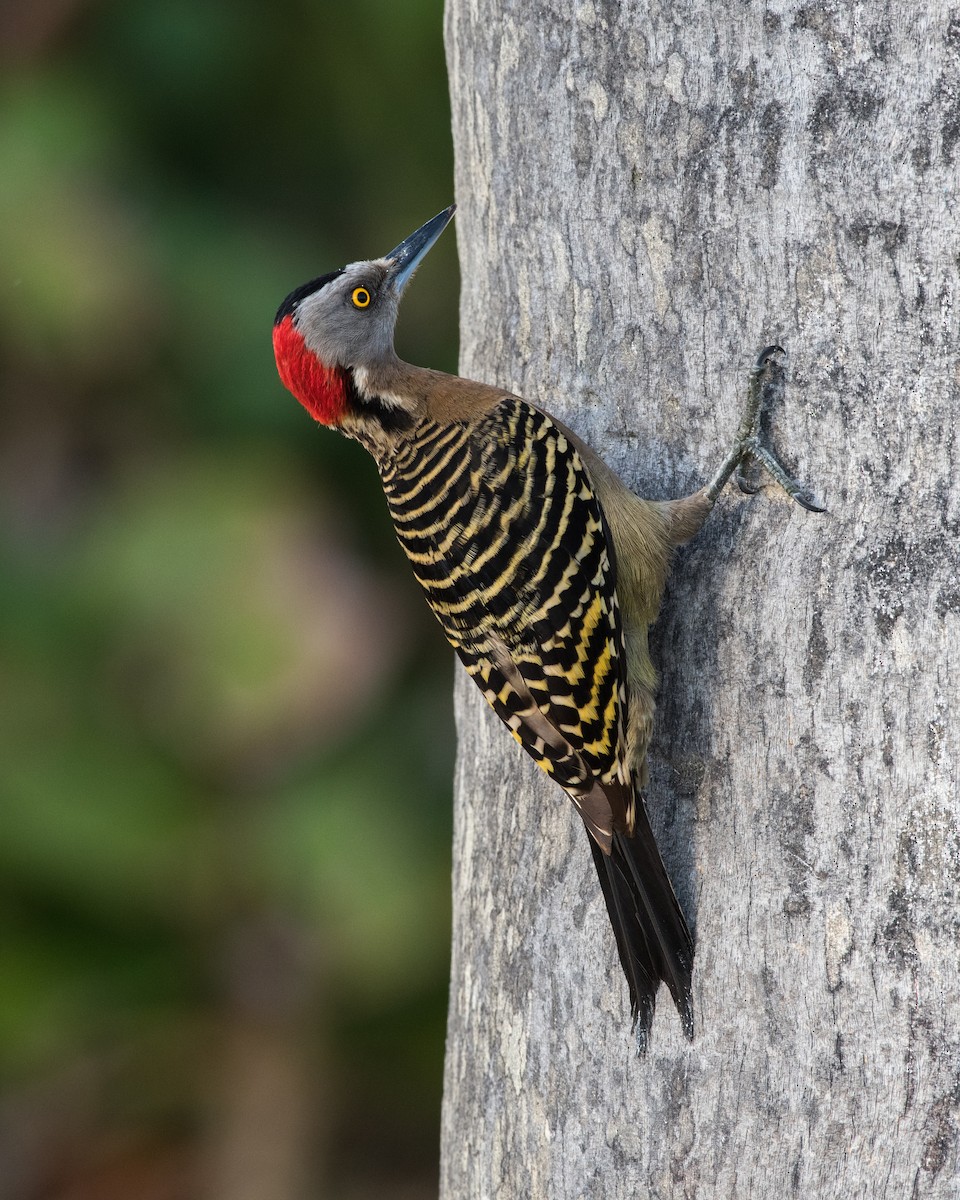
x,y
390,417
301,293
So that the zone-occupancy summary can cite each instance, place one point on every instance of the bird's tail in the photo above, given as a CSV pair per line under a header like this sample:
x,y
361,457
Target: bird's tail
x,y
652,934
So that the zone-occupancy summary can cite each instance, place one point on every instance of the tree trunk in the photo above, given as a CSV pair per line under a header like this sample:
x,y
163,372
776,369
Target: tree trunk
x,y
648,195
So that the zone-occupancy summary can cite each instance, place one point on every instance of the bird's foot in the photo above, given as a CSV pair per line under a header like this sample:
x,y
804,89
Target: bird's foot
x,y
767,382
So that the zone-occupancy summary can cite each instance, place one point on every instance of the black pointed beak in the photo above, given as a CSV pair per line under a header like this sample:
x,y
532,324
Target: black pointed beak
x,y
406,257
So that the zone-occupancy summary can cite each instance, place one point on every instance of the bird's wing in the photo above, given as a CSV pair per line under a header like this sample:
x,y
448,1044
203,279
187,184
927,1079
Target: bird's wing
x,y
605,804
507,538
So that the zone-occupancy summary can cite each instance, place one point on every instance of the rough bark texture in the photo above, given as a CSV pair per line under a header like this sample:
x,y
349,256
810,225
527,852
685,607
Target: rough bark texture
x,y
649,194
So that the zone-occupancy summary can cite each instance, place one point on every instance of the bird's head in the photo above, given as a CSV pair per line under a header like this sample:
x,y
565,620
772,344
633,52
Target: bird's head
x,y
333,333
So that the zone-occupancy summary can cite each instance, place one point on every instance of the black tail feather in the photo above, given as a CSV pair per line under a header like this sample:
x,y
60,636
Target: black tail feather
x,y
652,934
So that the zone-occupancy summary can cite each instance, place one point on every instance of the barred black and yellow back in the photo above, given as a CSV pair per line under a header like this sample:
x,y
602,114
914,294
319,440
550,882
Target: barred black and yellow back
x,y
508,540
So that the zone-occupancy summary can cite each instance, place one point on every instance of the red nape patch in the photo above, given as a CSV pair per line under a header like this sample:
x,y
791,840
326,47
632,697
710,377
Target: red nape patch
x,y
320,389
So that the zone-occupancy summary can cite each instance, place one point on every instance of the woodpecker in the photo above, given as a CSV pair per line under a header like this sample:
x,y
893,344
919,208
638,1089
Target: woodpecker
x,y
543,569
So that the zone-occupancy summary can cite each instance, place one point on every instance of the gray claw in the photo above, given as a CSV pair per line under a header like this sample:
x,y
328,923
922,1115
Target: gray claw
x,y
766,354
748,489
807,500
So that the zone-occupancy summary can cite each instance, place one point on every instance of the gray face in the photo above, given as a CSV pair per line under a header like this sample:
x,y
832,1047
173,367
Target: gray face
x,y
340,328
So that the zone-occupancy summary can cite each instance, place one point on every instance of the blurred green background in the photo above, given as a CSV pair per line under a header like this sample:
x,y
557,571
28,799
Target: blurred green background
x,y
225,732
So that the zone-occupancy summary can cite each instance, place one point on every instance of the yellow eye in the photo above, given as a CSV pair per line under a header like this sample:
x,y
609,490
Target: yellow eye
x,y
360,297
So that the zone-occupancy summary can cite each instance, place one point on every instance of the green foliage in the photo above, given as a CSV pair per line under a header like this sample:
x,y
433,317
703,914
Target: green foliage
x,y
222,707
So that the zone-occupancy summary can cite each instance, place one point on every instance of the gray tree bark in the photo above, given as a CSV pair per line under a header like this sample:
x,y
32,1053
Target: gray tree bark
x,y
649,193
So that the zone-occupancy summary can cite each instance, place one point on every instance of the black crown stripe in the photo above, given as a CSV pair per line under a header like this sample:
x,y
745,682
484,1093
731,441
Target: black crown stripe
x,y
301,293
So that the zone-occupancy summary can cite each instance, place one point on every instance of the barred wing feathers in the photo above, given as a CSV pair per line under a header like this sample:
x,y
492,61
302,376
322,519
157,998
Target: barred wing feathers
x,y
508,541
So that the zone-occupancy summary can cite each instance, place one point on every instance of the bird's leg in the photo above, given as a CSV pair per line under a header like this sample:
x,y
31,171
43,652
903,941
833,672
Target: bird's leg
x,y
766,386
